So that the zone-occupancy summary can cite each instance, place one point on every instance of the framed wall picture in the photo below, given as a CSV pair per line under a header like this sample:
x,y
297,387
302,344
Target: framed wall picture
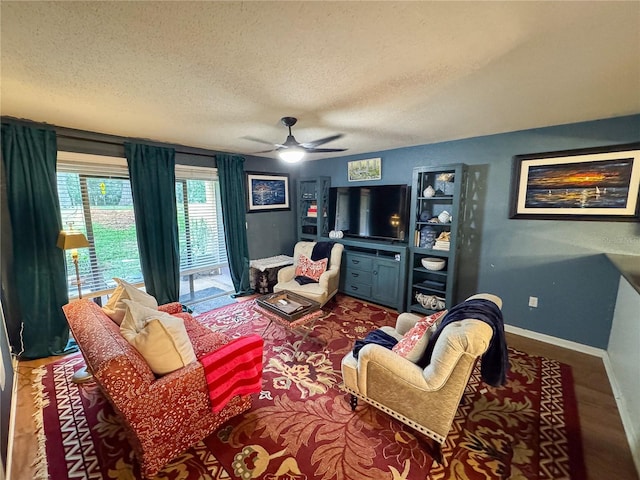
x,y
267,191
587,184
360,170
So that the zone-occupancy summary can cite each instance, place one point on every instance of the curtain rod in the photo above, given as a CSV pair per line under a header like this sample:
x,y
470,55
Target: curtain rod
x,y
108,139
119,141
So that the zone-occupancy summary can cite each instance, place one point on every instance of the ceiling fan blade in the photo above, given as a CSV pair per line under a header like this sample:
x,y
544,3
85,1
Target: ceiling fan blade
x,y
322,150
259,140
321,141
292,143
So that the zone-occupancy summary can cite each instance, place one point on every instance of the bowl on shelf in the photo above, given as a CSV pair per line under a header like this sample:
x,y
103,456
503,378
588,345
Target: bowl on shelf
x,y
431,263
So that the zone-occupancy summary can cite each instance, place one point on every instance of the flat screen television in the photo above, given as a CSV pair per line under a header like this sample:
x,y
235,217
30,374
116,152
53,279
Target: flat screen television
x,y
377,212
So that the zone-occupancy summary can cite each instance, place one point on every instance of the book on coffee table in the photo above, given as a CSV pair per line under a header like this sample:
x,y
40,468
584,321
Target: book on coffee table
x,y
288,306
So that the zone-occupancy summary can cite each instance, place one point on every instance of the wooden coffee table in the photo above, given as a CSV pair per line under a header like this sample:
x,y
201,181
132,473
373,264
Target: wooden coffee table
x,y
289,310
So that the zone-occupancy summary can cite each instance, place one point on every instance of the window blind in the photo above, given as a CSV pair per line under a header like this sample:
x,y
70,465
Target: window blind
x,y
200,226
95,198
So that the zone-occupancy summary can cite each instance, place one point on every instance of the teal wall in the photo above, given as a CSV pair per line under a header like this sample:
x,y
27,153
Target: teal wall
x,y
560,262
272,233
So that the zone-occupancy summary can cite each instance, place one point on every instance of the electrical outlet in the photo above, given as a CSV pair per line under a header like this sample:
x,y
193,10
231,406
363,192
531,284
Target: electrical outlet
x,y
533,302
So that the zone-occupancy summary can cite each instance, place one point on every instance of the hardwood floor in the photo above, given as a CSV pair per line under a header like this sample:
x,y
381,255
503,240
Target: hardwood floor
x,y
605,447
606,451
25,441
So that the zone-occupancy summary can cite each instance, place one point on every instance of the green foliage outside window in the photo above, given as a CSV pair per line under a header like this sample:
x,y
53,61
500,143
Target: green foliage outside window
x,y
101,191
117,250
112,224
196,191
200,233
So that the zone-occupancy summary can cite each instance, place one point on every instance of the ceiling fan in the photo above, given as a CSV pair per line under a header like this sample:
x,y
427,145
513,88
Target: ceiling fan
x,y
291,150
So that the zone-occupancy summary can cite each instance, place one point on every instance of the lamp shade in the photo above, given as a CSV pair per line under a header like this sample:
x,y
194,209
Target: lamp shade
x,y
68,240
291,155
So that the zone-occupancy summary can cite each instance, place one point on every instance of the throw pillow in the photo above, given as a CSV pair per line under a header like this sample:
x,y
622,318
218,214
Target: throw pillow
x,y
115,308
413,343
310,269
160,338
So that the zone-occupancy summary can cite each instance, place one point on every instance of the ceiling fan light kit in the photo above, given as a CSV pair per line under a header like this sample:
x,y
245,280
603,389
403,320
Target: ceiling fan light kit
x,y
291,155
292,151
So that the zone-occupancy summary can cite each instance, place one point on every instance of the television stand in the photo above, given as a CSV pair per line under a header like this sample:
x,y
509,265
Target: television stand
x,y
375,270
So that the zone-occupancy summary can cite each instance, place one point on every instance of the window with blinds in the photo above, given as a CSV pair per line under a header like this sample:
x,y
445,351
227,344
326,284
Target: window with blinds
x,y
95,198
203,253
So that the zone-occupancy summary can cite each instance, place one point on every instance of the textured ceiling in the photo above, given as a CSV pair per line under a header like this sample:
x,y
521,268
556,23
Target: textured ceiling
x,y
385,74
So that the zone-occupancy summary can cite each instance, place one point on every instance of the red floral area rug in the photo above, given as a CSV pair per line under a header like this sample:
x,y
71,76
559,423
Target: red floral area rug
x,y
301,426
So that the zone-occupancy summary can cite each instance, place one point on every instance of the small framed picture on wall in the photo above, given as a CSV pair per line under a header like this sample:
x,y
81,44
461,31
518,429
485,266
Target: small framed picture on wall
x,y
361,170
267,192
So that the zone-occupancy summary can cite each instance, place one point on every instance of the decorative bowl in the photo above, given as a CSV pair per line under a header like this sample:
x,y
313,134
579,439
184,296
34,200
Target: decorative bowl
x,y
433,263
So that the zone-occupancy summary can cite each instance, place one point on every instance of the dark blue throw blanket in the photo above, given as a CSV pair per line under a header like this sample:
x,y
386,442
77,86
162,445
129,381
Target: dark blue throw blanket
x,y
495,361
376,336
320,250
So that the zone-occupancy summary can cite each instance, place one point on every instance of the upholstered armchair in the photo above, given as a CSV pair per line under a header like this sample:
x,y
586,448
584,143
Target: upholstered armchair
x,y
424,399
327,285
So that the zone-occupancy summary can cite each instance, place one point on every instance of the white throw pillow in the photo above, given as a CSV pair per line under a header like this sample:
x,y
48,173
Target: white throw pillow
x,y
160,338
115,308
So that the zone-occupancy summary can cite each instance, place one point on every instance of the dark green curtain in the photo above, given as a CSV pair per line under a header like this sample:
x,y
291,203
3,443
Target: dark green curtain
x,y
35,282
232,188
153,184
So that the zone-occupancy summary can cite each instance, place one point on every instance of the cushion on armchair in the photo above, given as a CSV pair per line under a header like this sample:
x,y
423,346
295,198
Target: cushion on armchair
x,y
308,271
414,342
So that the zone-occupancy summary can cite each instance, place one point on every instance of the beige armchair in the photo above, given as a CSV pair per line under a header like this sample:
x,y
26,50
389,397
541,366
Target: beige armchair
x,y
327,286
425,399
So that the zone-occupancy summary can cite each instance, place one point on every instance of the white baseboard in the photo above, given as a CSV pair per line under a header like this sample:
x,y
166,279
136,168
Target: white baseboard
x,y
560,342
632,431
629,428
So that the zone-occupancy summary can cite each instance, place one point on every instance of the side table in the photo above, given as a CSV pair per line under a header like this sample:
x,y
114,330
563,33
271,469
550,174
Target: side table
x,y
263,272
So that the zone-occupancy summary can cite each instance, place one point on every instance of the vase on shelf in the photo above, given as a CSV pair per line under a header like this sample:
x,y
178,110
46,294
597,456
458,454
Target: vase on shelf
x,y
427,237
429,192
444,217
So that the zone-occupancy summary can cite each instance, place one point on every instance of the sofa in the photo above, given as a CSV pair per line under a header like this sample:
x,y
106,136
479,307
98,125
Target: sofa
x,y
163,416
